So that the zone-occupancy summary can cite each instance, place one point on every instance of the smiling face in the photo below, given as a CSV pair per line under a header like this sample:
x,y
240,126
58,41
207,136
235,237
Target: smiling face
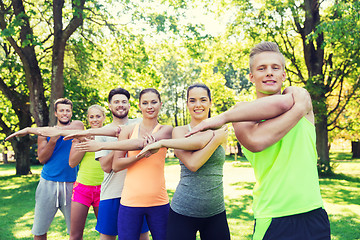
x,y
119,106
63,113
267,73
198,103
150,105
96,117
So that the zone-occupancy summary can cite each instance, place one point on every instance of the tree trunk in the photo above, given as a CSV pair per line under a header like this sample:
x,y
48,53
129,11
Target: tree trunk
x,y
61,36
355,149
5,155
57,75
27,54
22,154
314,59
322,146
239,153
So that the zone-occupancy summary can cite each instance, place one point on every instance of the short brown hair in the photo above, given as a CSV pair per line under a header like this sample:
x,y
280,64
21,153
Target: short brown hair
x,y
62,101
265,47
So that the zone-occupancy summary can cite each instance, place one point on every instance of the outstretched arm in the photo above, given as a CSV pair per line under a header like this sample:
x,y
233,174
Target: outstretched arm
x,y
22,132
192,143
48,131
120,161
260,109
103,131
126,144
46,148
194,160
257,136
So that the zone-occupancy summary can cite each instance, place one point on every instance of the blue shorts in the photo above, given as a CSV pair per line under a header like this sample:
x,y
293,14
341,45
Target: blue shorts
x,y
313,225
130,218
108,217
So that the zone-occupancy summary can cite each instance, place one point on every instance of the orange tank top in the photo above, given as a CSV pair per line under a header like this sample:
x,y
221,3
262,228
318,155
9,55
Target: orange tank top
x,y
144,184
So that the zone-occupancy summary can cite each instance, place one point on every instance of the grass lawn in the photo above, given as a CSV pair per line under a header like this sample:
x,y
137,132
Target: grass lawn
x,y
341,196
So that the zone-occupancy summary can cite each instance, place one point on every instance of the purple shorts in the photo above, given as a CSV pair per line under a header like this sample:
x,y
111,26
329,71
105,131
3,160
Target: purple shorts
x,y
87,195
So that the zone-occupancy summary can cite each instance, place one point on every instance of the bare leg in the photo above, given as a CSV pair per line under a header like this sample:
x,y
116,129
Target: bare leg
x,y
79,213
96,210
41,237
107,237
144,236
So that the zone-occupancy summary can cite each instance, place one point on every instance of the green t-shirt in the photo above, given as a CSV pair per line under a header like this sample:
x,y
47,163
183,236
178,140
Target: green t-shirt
x,y
286,174
90,172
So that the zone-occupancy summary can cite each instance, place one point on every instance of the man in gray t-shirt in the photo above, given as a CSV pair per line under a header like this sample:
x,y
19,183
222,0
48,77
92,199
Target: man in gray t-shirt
x,y
112,184
110,187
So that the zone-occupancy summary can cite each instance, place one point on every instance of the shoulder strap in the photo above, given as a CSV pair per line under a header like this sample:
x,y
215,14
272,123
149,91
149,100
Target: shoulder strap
x,y
156,128
135,133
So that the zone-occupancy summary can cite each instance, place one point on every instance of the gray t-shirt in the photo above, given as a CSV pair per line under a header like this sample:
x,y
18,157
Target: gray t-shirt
x,y
113,183
201,193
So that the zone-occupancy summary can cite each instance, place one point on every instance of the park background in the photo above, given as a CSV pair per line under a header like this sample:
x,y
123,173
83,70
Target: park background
x,y
80,49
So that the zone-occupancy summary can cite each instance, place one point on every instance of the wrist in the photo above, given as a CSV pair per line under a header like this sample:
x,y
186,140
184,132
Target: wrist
x,y
223,118
161,143
89,131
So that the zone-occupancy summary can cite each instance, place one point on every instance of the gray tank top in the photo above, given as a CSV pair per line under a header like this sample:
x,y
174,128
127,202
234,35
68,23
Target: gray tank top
x,y
201,193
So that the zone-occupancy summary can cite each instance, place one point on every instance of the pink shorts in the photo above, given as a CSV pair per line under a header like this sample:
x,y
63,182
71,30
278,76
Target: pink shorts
x,y
85,194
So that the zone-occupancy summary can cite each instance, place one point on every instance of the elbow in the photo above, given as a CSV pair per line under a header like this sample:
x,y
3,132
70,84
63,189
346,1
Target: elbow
x,y
106,169
42,160
255,146
72,165
192,167
285,106
200,145
116,167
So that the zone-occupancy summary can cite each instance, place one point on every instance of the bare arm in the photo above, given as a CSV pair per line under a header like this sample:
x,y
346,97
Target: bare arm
x,y
48,131
22,132
192,143
263,108
125,144
194,160
103,131
106,162
46,148
75,156
164,132
257,136
120,160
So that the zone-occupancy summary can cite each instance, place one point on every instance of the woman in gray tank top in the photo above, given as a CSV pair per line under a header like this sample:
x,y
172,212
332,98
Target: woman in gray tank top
x,y
198,202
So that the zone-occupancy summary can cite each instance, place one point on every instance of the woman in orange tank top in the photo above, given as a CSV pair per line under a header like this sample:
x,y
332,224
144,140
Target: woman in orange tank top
x,y
144,192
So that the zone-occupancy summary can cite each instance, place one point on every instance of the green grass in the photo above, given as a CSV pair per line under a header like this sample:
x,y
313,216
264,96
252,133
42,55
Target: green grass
x,y
341,195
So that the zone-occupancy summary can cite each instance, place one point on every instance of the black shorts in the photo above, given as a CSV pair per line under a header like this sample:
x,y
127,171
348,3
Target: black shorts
x,y
313,225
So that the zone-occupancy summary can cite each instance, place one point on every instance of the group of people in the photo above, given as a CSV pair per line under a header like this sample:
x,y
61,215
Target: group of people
x,y
121,171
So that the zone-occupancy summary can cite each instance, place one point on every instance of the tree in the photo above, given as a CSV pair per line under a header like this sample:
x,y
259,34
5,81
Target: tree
x,y
312,34
24,42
